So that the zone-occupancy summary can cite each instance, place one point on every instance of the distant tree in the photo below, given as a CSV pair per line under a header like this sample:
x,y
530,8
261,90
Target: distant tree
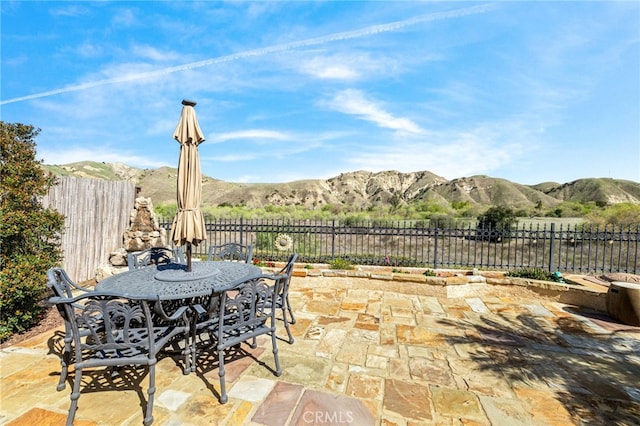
x,y
443,221
498,217
29,232
496,222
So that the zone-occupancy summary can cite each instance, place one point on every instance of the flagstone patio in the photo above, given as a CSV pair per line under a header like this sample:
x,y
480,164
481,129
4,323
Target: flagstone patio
x,y
372,354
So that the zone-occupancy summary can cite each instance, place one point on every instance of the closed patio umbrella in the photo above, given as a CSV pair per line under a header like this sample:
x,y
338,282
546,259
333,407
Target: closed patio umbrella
x,y
188,225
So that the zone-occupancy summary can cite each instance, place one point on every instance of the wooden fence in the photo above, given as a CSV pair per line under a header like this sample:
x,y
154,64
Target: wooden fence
x,y
96,215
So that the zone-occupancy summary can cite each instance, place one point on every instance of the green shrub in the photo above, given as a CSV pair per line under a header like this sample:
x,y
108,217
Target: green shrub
x,y
532,273
22,286
339,263
429,273
167,211
30,233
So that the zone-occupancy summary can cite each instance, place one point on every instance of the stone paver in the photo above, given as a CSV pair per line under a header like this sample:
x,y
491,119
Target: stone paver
x,y
368,353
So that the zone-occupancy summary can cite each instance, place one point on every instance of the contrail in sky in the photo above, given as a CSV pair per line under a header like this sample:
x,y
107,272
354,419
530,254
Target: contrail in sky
x,y
347,35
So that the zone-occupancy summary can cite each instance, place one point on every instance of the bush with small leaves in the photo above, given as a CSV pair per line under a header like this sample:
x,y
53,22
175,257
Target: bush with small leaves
x,y
30,233
532,273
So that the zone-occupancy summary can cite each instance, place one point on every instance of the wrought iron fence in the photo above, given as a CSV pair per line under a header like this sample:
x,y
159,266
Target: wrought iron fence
x,y
577,249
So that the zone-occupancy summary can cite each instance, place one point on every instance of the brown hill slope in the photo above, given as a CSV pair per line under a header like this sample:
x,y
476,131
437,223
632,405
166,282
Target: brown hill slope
x,y
598,190
363,189
486,190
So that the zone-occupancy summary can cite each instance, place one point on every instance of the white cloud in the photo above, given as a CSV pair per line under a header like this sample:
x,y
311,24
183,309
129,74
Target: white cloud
x,y
148,52
76,154
354,102
250,134
336,72
230,158
329,68
125,18
74,10
245,179
89,50
349,66
450,154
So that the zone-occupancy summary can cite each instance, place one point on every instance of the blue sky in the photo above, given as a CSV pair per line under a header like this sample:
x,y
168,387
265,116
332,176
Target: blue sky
x,y
526,91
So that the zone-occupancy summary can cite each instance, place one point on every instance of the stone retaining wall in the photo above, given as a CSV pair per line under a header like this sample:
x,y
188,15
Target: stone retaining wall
x,y
457,284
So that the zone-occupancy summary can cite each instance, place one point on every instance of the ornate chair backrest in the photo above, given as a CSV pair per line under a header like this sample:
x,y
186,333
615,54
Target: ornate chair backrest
x,y
288,268
244,312
231,252
287,272
61,285
154,256
106,327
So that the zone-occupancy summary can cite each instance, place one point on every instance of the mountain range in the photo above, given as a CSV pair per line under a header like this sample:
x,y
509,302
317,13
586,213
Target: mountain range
x,y
363,189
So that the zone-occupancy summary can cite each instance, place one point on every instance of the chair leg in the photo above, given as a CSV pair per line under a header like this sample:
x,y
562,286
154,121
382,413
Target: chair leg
x,y
274,343
64,362
194,334
286,324
189,357
221,373
288,304
148,417
75,395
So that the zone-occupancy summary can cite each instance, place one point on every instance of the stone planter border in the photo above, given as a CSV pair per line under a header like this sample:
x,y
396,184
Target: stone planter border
x,y
458,284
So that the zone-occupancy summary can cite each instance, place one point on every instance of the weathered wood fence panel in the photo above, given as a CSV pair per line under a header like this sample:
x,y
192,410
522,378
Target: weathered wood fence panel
x,y
96,215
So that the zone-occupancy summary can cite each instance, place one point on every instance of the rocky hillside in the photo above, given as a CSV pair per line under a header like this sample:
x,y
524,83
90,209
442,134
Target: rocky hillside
x,y
362,189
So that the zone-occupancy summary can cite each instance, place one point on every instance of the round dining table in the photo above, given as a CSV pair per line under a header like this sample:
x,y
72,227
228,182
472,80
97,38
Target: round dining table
x,y
171,281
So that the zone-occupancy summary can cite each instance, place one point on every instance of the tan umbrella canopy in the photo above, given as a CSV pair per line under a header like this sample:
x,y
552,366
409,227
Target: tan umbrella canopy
x,y
188,225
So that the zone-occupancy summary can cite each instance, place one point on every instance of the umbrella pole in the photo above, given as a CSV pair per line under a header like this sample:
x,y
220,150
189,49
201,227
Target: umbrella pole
x,y
188,257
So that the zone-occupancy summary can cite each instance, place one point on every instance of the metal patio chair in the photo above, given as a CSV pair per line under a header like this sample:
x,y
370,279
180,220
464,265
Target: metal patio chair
x,y
154,256
281,299
62,286
113,331
231,252
236,316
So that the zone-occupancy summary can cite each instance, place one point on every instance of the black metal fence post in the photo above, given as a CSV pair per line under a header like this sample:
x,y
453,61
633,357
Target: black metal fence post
x,y
552,246
333,239
435,248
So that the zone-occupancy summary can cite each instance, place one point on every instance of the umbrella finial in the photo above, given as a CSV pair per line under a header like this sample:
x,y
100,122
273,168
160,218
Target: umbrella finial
x,y
186,102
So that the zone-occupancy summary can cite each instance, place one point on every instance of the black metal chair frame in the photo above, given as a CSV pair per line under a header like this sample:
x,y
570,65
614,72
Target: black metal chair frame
x,y
111,330
154,256
236,316
231,252
62,286
281,300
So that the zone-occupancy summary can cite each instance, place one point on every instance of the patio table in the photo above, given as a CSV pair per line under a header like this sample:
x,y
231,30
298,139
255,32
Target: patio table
x,y
177,288
172,282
